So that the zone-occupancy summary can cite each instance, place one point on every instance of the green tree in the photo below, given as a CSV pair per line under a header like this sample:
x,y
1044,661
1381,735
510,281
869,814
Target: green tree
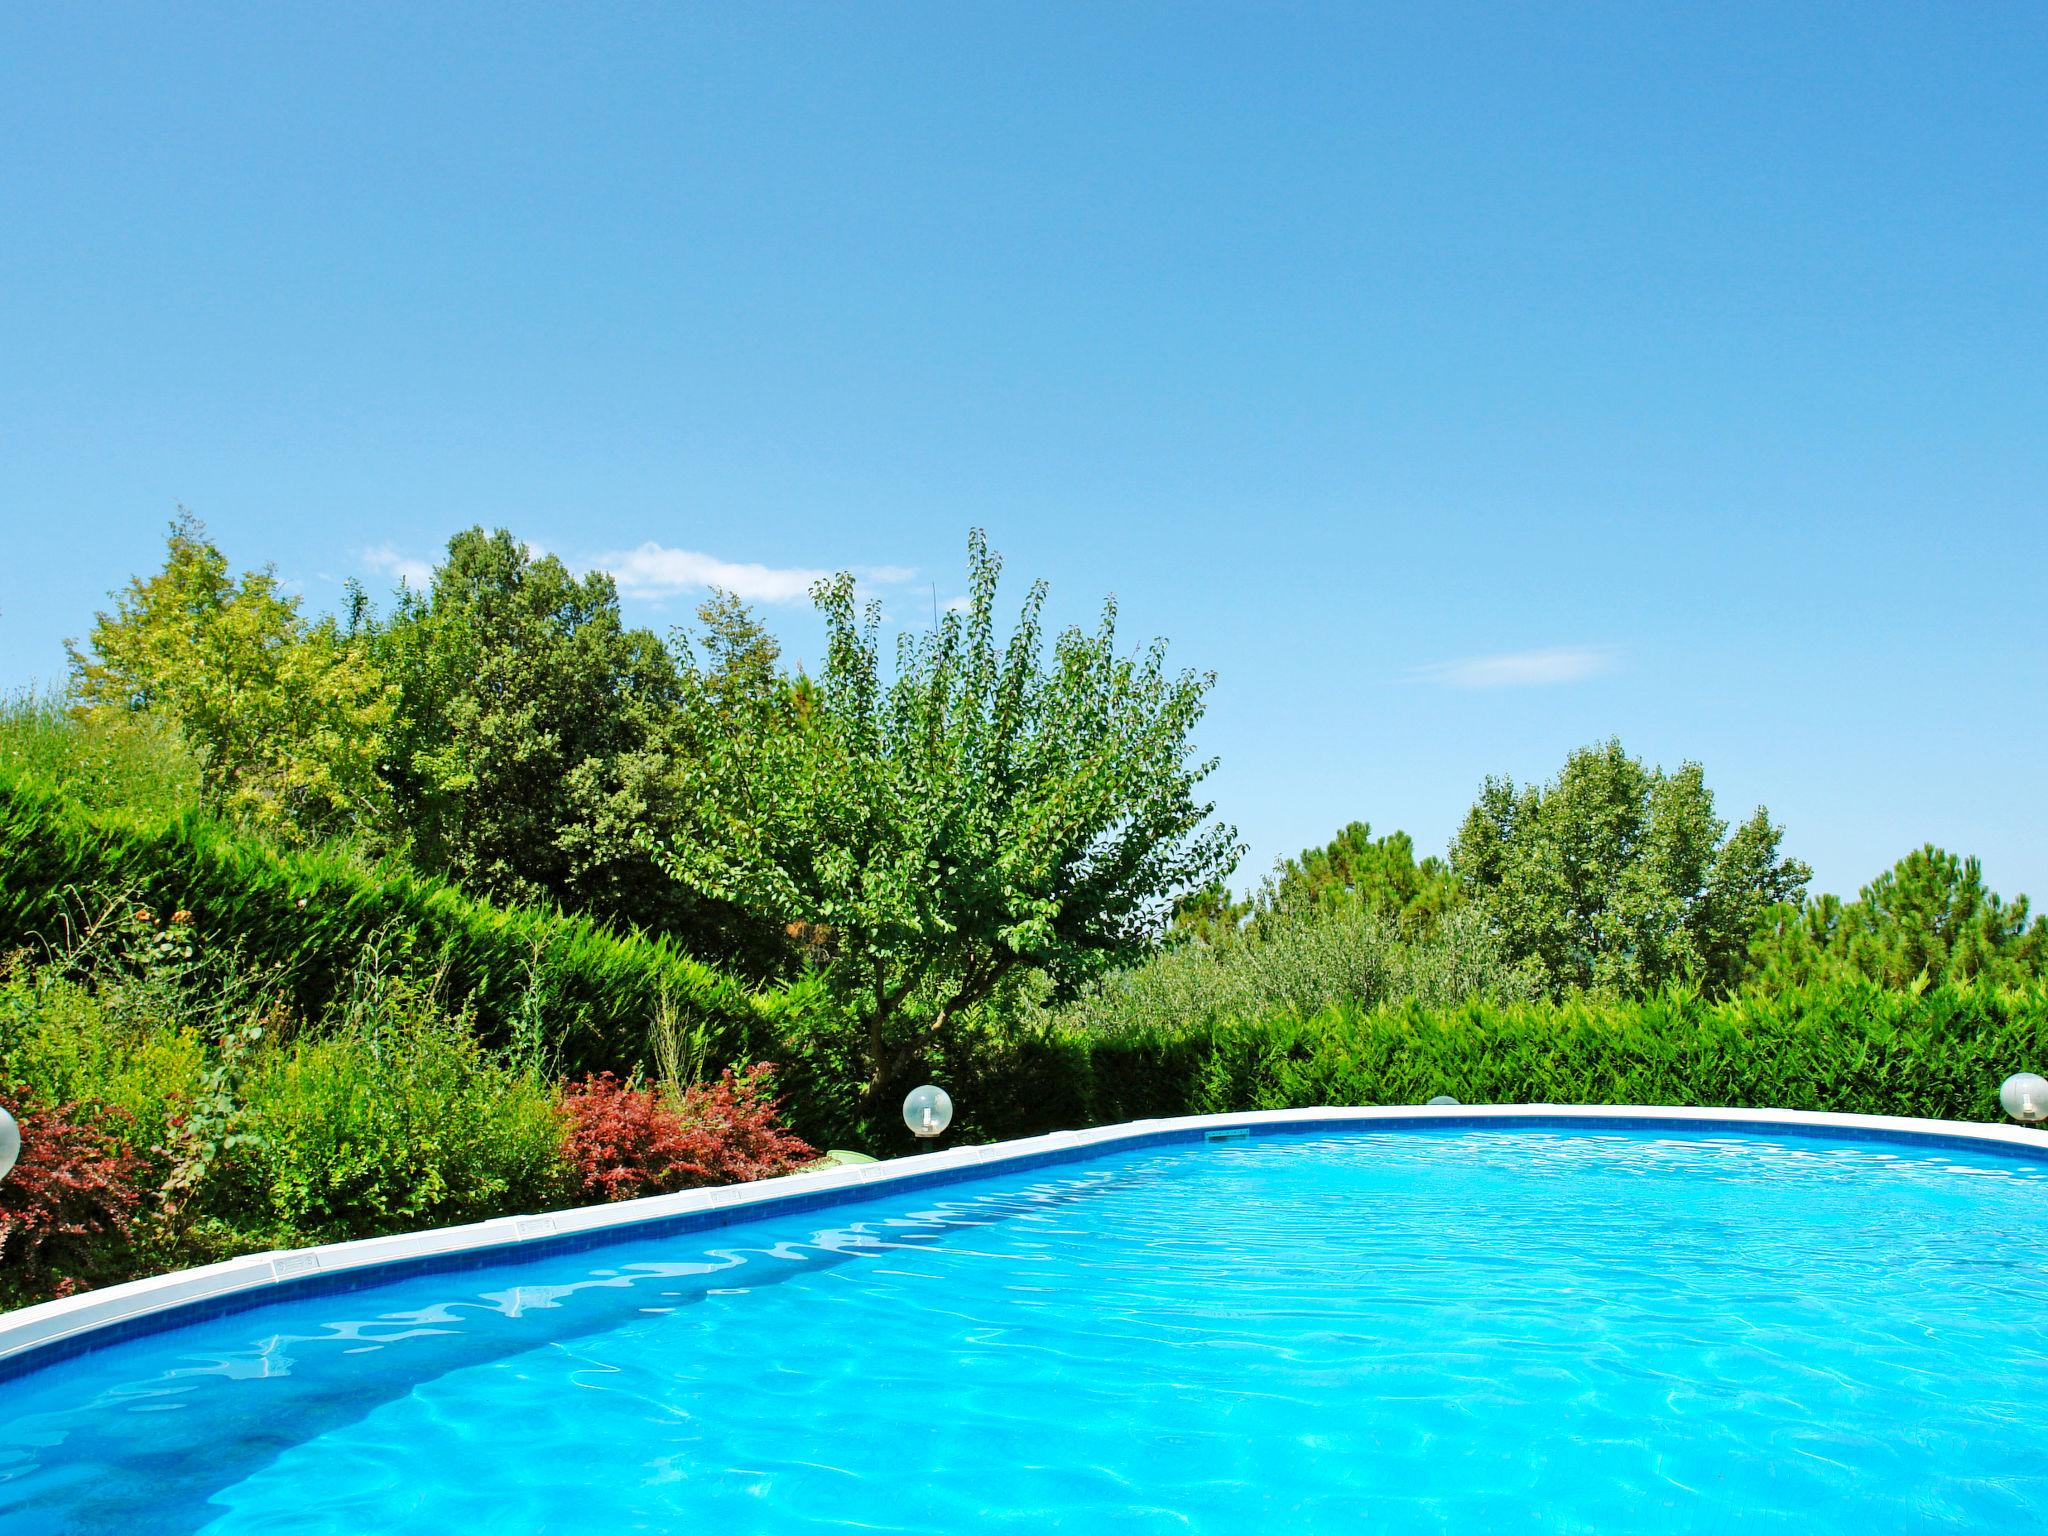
x,y
986,812
537,734
1211,914
1379,875
1621,877
1929,916
287,715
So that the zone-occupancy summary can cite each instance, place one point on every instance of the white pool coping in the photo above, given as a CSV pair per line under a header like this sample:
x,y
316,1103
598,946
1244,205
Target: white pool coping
x,y
71,1320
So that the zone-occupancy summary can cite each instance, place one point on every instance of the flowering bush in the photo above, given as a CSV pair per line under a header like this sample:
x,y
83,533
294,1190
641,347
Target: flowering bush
x,y
626,1141
75,1195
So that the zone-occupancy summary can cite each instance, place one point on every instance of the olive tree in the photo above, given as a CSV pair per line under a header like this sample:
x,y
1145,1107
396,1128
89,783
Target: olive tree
x,y
930,832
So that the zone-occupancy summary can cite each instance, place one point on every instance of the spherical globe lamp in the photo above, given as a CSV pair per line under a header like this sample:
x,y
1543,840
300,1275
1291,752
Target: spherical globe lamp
x,y
927,1111
2025,1096
10,1142
1443,1098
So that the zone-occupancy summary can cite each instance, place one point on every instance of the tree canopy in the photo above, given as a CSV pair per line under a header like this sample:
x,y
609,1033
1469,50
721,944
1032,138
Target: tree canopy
x,y
1929,917
935,831
1620,876
533,728
287,715
1380,875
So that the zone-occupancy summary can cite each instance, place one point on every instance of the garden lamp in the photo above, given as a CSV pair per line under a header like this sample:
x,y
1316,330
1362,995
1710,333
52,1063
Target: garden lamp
x,y
10,1142
927,1111
2025,1096
1443,1098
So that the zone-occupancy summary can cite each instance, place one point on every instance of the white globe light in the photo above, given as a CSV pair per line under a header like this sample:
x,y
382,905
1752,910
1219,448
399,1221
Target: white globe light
x,y
1443,1098
2025,1096
927,1110
10,1142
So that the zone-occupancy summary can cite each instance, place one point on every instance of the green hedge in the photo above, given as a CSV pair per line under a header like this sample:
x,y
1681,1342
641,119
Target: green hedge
x,y
309,916
1845,1046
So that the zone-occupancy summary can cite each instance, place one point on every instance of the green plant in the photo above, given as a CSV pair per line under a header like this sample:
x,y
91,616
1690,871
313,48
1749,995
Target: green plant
x,y
300,919
985,811
1298,962
1928,918
405,1122
1380,875
1842,1045
1621,877
137,763
286,715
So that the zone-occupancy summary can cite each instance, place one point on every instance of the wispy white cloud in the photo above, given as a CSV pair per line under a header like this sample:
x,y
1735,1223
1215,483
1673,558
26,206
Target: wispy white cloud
x,y
1522,669
654,571
958,604
417,574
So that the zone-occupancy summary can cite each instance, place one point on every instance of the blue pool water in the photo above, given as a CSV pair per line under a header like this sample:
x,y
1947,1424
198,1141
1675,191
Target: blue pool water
x,y
1413,1331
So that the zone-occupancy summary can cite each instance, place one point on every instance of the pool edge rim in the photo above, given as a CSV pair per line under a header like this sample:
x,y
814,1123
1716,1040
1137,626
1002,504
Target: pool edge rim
x,y
47,1331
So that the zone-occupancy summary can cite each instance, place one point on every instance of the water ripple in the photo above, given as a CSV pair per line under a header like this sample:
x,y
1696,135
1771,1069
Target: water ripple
x,y
1553,1332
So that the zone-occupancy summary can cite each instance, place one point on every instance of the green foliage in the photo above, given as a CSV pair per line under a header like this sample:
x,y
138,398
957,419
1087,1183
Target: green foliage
x,y
116,760
980,814
115,1047
286,715
1928,919
302,919
1840,1046
532,726
1298,962
1378,875
1621,877
233,1124
401,1122
1211,913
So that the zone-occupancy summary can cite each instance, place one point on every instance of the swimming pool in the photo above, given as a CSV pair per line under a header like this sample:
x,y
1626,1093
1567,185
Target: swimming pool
x,y
1535,1324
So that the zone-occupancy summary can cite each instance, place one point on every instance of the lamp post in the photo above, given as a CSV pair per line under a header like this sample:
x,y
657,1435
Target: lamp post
x,y
927,1111
10,1142
2025,1096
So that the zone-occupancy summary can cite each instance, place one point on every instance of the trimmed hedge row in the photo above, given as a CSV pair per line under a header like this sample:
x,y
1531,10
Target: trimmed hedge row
x,y
1843,1046
309,916
1848,1046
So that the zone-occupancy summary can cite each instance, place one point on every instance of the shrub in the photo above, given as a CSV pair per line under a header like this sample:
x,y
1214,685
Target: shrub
x,y
1852,1047
627,1140
1296,964
121,1047
407,1123
71,1204
132,762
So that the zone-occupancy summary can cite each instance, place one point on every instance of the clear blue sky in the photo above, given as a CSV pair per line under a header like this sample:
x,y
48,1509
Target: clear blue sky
x,y
1461,384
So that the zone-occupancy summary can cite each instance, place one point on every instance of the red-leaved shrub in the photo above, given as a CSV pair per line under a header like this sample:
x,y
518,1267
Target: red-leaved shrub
x,y
71,1203
626,1141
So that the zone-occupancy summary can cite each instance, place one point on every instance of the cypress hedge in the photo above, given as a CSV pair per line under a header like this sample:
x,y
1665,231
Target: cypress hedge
x,y
1846,1046
307,917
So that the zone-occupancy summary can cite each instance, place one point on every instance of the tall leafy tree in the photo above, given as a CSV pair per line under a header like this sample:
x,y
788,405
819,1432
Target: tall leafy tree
x,y
986,809
535,733
1928,918
287,715
1620,876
